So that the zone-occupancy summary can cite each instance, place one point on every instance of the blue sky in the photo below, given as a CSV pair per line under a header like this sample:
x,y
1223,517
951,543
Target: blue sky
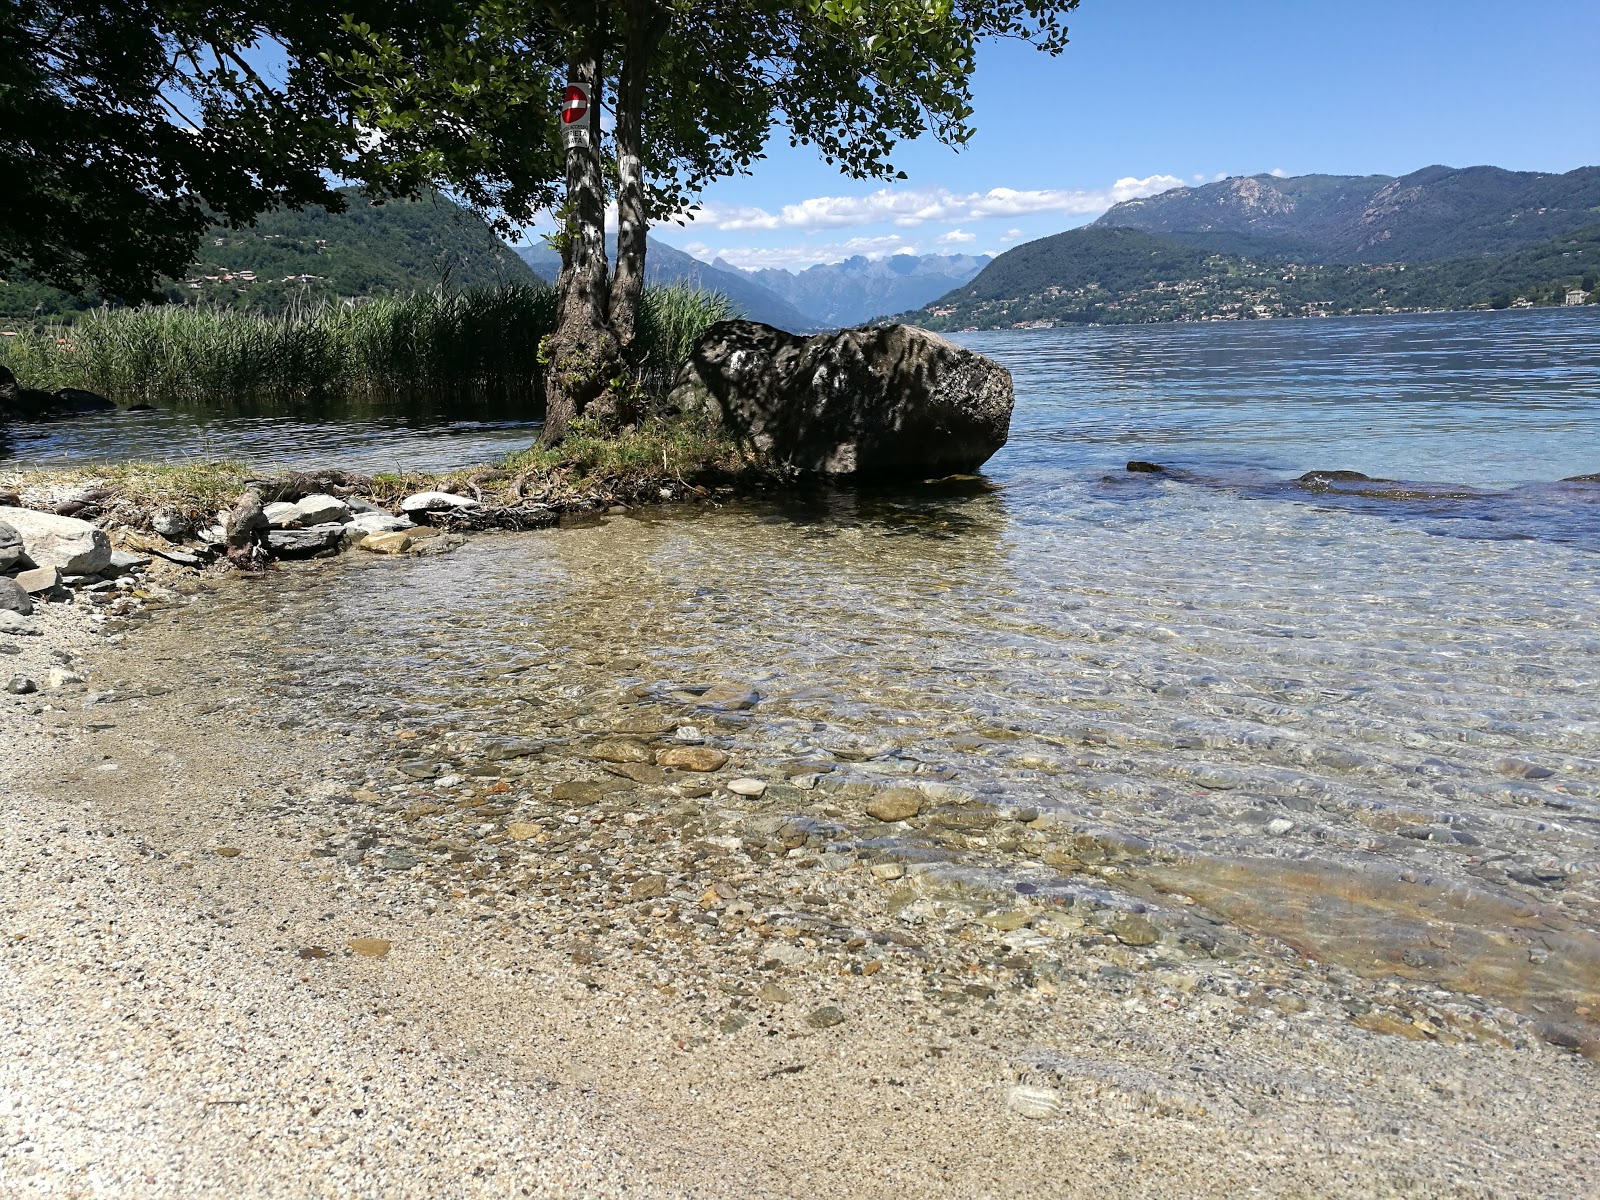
x,y
1154,93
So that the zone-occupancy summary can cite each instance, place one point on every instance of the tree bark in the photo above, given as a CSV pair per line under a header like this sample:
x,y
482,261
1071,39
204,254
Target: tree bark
x,y
582,354
646,24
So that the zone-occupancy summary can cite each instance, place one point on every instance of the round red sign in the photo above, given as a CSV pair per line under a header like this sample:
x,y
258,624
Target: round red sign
x,y
574,105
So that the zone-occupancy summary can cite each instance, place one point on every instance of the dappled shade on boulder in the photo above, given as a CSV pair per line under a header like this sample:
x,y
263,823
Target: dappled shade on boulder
x,y
890,402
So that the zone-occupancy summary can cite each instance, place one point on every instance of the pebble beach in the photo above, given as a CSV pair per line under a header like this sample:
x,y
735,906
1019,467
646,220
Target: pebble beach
x,y
241,956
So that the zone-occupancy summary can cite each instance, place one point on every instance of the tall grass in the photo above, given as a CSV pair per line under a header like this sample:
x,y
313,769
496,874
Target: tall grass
x,y
470,345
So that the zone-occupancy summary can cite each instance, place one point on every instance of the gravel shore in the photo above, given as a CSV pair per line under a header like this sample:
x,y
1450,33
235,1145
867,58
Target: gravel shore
x,y
188,1010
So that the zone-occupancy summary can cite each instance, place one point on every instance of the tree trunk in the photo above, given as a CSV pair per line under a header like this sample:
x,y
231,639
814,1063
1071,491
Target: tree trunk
x,y
646,25
582,354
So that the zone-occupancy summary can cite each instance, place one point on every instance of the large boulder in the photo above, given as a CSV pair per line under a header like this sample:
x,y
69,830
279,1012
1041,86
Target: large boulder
x,y
74,546
890,402
10,547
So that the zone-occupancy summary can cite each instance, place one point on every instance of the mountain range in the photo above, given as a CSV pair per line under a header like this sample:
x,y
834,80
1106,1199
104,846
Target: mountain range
x,y
829,296
1264,246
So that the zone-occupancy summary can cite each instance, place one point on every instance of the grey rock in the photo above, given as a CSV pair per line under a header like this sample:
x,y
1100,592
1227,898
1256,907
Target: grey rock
x,y
14,597
872,403
75,546
825,1017
426,502
21,685
371,520
302,543
10,547
122,562
16,624
182,557
170,525
318,509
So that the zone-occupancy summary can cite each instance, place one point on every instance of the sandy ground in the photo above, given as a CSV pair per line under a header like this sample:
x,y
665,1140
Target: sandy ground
x,y
179,1023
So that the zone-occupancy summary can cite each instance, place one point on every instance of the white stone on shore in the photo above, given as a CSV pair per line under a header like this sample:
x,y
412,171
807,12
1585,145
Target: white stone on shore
x,y
16,625
317,509
381,522
75,546
436,502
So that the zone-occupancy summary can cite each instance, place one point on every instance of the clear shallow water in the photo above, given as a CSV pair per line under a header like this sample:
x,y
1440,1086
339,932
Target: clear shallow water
x,y
1330,720
369,442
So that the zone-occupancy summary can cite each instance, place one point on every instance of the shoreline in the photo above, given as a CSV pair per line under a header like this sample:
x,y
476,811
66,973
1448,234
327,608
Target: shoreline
x,y
1154,1077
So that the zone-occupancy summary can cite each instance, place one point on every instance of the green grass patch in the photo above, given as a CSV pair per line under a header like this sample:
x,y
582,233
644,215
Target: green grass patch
x,y
466,345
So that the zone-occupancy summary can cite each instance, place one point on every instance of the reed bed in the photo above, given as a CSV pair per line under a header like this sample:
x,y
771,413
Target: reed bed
x,y
468,345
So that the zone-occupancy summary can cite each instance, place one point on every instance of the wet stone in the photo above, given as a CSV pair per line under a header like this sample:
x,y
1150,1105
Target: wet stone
x,y
692,758
895,804
1133,930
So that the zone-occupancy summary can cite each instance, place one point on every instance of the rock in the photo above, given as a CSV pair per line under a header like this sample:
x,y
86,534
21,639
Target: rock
x,y
620,752
1140,467
1133,930
170,525
10,547
245,523
370,947
14,597
577,792
1319,480
896,804
122,562
1595,478
426,502
1279,826
438,545
303,543
889,402
728,697
1035,1103
15,624
746,787
60,677
317,509
888,871
75,546
651,887
522,831
182,557
825,1017
373,521
773,994
21,685
40,580
394,542
75,401
692,758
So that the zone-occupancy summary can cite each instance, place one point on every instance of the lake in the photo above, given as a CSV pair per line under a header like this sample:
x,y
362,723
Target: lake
x,y
1359,720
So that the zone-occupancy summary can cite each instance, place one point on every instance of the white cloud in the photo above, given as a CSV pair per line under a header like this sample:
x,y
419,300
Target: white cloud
x,y
1011,235
1279,173
754,258
956,237
910,207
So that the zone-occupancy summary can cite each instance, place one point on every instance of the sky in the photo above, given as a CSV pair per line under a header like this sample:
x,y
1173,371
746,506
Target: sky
x,y
1156,94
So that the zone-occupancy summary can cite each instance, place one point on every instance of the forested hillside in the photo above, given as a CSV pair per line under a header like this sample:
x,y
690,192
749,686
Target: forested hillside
x,y
393,248
1113,276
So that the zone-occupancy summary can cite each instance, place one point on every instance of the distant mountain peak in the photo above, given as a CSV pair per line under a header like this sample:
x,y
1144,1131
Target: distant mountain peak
x,y
1429,214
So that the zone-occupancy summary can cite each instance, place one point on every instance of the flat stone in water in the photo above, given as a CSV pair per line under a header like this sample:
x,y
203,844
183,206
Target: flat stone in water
x,y
692,758
896,804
